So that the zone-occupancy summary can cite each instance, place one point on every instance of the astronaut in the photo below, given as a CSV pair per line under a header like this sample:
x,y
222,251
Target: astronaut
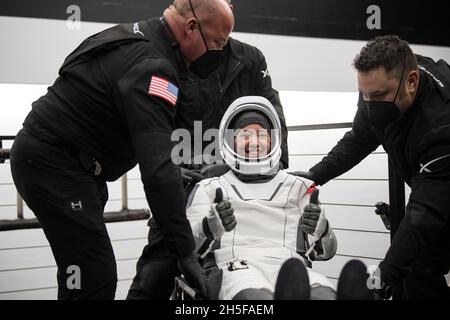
x,y
255,217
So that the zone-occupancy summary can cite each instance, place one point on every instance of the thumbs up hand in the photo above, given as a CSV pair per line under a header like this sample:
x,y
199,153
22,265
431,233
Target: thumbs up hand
x,y
221,216
225,211
313,218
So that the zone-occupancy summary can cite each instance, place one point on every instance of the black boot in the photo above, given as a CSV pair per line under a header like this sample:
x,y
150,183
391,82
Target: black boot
x,y
292,282
352,283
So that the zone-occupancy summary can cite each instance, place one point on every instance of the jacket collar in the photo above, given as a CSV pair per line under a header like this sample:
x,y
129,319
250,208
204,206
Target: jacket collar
x,y
236,62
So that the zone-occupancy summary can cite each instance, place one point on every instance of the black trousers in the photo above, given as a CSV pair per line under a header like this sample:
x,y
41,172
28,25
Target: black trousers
x,y
418,287
69,204
426,281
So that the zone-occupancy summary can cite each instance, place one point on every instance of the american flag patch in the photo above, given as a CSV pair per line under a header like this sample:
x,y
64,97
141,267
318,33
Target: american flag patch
x,y
164,89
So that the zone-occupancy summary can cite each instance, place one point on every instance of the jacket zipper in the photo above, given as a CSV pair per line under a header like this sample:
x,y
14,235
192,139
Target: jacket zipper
x,y
236,69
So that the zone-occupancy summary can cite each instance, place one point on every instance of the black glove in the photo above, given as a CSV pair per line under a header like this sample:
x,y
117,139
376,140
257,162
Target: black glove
x,y
311,214
194,273
388,279
304,174
225,211
191,176
385,292
220,217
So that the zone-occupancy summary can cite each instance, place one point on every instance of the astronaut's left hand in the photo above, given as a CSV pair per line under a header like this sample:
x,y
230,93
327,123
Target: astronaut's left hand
x,y
313,220
310,218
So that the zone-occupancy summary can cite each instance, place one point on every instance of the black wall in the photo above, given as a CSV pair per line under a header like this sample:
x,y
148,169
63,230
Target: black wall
x,y
421,22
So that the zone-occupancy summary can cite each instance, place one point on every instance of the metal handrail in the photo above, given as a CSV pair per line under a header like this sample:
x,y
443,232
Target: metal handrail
x,y
320,126
4,154
125,214
124,184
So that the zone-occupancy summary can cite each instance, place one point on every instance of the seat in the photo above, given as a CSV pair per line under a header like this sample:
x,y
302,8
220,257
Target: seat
x,y
182,289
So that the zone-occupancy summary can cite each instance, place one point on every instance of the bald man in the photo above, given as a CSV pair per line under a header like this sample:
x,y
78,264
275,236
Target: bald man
x,y
243,71
112,107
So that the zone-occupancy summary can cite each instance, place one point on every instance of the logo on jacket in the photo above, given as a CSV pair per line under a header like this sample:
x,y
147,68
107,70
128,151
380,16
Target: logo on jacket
x,y
136,29
265,73
439,82
424,167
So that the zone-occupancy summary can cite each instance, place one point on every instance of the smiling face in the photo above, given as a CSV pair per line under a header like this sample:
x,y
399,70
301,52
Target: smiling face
x,y
252,141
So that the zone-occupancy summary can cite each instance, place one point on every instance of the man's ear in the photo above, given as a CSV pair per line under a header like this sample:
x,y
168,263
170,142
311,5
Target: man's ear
x,y
190,27
412,81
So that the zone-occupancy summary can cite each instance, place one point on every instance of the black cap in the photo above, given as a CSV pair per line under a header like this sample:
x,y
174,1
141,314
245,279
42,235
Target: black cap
x,y
251,117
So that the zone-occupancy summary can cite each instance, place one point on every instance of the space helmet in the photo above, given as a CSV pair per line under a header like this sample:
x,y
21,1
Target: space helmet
x,y
246,110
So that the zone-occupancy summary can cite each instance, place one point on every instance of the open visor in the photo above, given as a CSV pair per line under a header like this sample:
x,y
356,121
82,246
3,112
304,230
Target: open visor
x,y
264,164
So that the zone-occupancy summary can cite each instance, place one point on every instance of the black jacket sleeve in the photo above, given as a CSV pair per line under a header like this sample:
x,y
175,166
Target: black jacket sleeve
x,y
356,144
427,215
151,121
263,87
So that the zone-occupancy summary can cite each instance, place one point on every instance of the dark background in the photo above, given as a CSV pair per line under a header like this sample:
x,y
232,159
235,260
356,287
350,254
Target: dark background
x,y
420,22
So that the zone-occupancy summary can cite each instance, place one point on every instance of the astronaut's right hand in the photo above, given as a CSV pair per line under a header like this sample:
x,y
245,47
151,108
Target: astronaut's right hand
x,y
221,216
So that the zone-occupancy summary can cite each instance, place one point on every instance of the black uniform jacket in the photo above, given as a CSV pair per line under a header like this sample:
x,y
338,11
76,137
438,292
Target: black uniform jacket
x,y
243,72
102,103
419,146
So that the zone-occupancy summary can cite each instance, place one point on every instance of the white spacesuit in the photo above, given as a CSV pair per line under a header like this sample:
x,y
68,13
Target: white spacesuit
x,y
268,204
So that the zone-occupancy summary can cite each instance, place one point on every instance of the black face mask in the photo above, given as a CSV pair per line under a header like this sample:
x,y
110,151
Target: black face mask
x,y
208,62
383,113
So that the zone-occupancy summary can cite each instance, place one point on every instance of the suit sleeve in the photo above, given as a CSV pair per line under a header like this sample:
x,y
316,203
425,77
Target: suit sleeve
x,y
356,144
426,220
150,120
263,87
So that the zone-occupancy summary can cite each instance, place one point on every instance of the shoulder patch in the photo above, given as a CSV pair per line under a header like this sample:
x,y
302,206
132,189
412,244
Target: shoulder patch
x,y
163,89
